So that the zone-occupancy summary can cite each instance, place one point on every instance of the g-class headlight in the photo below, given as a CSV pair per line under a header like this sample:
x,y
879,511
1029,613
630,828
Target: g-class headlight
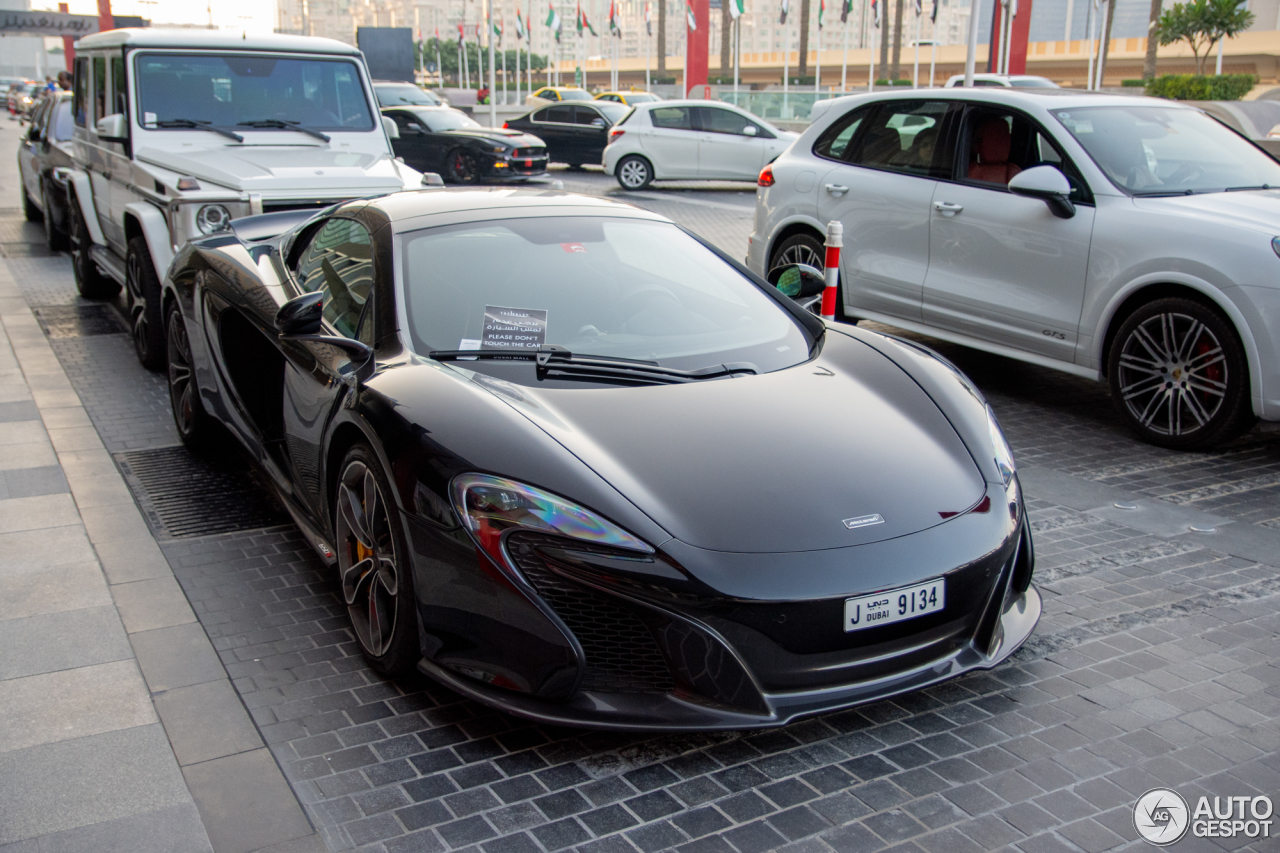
x,y
213,218
1000,447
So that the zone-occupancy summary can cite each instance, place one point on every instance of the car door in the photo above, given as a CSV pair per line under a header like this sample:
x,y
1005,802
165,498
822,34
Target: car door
x,y
414,143
591,132
880,186
673,142
1002,267
554,126
730,145
337,261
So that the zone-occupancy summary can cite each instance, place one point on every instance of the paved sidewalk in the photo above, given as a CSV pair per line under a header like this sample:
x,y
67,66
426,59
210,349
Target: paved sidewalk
x,y
119,730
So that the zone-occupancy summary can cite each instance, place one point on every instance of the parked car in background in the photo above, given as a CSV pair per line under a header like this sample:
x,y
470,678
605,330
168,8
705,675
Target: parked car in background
x,y
204,128
628,98
584,540
22,96
573,133
1006,81
554,95
691,140
405,95
1131,240
43,161
463,151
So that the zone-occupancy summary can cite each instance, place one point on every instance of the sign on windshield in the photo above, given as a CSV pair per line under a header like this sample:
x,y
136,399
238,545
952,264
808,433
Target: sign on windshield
x,y
242,92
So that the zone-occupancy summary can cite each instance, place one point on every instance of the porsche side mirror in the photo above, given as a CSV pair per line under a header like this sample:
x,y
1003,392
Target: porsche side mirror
x,y
392,129
799,281
301,316
1049,185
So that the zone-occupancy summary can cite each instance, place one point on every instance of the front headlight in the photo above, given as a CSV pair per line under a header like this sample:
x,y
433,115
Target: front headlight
x,y
1003,452
213,218
490,506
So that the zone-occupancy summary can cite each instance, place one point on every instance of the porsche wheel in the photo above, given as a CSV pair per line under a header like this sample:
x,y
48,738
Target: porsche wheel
x,y
462,167
195,427
634,173
373,565
142,288
806,249
90,281
1178,375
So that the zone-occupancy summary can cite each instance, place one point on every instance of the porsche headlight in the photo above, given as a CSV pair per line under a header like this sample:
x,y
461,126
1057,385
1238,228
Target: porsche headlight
x,y
490,506
213,218
1003,452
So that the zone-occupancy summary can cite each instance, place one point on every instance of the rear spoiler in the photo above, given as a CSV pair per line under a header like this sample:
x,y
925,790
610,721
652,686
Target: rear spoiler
x,y
264,226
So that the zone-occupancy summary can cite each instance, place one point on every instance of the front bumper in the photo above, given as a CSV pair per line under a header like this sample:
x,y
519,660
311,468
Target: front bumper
x,y
515,167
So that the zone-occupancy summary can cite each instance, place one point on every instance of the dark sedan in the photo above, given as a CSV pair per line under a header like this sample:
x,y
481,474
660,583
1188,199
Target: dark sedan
x,y
42,160
574,463
574,133
448,141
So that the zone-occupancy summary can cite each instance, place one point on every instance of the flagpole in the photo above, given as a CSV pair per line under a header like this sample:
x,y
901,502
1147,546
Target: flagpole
x,y
971,54
874,26
915,74
493,70
648,50
786,64
737,47
933,60
844,58
817,62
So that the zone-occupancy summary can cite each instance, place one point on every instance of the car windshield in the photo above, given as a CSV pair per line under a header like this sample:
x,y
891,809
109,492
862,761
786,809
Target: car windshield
x,y
238,91
440,120
613,112
1168,151
396,96
63,126
615,287
574,95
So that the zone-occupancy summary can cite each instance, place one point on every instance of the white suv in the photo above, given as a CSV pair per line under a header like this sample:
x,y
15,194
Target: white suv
x,y
690,140
1124,239
178,132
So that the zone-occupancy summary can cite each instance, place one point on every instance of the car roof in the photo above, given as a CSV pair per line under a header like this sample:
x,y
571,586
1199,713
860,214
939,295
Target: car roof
x,y
212,40
1049,99
406,209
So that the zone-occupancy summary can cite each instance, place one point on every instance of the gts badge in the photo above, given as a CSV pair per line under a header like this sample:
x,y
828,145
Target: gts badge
x,y
863,521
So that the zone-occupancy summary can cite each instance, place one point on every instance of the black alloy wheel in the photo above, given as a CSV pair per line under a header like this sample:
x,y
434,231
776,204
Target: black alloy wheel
x,y
373,565
54,236
142,288
462,167
634,172
807,249
1179,376
91,283
29,209
195,427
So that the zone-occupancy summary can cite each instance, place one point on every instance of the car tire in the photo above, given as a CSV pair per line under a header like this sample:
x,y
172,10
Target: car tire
x,y
142,289
807,248
1179,376
374,565
29,209
634,172
54,236
91,283
195,427
461,167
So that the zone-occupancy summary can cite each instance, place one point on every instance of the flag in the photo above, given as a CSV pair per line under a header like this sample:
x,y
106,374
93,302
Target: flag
x,y
919,8
583,23
648,20
822,10
519,25
875,13
782,19
933,16
615,25
498,27
736,8
693,20
462,33
847,6
553,19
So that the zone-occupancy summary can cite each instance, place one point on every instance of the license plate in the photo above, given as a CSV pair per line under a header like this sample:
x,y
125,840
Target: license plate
x,y
528,163
895,605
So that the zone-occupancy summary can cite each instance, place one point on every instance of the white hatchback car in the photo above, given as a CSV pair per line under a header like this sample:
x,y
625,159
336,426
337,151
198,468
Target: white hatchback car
x,y
691,140
1124,239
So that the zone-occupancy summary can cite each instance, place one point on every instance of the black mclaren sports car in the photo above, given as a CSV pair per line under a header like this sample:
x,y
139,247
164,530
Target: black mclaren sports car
x,y
576,464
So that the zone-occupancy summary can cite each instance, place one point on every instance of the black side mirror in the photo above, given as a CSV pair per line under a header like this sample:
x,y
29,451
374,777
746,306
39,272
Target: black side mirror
x,y
1047,184
799,281
301,316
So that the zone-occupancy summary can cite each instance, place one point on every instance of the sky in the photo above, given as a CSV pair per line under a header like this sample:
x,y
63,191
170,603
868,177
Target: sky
x,y
258,17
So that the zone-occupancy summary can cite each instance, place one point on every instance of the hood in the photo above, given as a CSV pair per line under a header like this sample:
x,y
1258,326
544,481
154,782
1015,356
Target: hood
x,y
272,168
515,137
771,463
1258,210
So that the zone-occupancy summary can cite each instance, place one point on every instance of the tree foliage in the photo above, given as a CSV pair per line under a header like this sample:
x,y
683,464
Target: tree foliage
x,y
1202,24
1192,87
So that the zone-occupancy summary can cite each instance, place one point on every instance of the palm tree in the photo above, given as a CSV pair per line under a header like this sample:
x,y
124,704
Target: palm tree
x,y
897,40
662,38
726,40
804,37
1153,43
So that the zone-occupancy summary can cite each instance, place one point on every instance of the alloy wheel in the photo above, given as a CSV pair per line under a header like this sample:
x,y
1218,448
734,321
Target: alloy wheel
x,y
634,174
139,325
799,253
462,168
367,559
181,387
1173,374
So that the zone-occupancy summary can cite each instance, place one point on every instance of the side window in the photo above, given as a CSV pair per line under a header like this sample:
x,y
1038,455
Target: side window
x,y
119,99
60,122
677,118
716,120
562,115
339,263
541,115
404,121
80,91
835,141
998,144
902,136
551,95
99,88
588,116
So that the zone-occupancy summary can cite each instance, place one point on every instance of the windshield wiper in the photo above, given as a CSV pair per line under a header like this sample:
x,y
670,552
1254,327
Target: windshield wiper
x,y
1243,189
281,124
197,125
555,360
1164,193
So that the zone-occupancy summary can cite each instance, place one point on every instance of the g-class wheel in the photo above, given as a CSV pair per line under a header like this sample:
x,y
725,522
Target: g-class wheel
x,y
143,291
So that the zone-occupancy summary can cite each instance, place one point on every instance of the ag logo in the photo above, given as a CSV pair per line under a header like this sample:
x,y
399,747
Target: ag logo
x,y
1161,816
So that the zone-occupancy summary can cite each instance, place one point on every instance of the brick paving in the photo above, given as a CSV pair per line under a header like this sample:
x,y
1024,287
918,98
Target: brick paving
x,y
1154,664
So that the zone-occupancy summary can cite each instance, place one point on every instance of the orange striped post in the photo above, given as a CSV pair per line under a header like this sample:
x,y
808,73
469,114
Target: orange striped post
x,y
835,239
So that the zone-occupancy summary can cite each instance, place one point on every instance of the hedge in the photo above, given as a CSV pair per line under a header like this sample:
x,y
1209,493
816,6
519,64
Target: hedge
x,y
1199,87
